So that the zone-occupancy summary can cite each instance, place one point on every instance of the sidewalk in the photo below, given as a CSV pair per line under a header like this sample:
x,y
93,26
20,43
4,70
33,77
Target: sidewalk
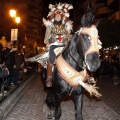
x,y
30,106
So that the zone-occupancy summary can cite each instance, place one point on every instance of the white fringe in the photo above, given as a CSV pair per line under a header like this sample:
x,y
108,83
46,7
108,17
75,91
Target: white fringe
x,y
92,89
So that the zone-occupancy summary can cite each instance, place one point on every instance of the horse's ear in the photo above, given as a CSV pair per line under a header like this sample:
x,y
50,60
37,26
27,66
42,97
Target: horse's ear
x,y
88,18
90,6
93,6
97,23
83,20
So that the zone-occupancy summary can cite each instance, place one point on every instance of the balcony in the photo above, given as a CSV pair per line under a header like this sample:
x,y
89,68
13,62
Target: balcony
x,y
32,14
115,16
102,10
110,2
32,24
34,3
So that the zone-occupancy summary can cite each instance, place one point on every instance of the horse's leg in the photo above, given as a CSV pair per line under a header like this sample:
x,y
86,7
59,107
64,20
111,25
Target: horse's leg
x,y
57,107
53,104
50,102
78,102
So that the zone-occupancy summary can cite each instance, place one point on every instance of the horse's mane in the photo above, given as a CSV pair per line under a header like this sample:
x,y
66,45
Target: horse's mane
x,y
71,43
74,48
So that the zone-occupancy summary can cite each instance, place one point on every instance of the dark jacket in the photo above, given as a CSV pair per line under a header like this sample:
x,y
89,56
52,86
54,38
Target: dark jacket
x,y
2,59
3,71
9,60
19,60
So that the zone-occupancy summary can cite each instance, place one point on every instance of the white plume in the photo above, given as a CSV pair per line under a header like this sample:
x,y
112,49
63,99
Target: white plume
x,y
65,9
47,22
69,26
59,6
66,5
51,6
70,7
67,14
53,9
49,14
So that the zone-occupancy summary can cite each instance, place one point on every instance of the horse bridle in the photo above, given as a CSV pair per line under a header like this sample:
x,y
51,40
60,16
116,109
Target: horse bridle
x,y
92,32
84,65
76,61
95,45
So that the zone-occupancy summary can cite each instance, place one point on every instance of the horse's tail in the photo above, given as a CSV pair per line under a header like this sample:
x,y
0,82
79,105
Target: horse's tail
x,y
43,76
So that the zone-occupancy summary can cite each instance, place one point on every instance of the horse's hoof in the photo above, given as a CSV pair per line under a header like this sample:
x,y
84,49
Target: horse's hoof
x,y
51,115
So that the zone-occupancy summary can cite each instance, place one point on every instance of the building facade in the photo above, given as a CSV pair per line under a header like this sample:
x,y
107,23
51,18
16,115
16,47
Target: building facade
x,y
114,7
108,9
29,28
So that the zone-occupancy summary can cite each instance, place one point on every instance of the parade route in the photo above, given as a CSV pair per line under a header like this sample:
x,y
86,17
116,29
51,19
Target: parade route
x,y
31,106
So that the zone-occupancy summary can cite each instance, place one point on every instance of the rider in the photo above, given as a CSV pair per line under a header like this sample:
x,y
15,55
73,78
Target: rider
x,y
58,29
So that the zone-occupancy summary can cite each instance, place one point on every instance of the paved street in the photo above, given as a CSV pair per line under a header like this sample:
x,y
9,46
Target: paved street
x,y
31,104
110,93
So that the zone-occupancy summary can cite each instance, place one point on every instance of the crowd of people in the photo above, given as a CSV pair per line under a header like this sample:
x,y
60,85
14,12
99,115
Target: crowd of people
x,y
13,67
110,64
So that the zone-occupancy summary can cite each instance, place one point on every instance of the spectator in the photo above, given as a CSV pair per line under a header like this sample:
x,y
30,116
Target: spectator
x,y
117,68
114,55
106,66
19,61
9,61
118,57
2,59
111,67
3,69
3,72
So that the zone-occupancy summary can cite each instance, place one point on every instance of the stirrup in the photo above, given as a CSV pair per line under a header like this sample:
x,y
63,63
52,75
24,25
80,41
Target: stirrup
x,y
49,81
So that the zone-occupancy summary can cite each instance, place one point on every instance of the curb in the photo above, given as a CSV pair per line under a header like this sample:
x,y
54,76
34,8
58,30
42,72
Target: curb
x,y
10,101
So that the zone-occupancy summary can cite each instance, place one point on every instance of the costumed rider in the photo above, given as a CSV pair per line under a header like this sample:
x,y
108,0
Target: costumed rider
x,y
58,33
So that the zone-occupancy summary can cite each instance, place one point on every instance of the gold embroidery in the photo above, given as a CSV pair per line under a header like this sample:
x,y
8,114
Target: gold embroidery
x,y
59,30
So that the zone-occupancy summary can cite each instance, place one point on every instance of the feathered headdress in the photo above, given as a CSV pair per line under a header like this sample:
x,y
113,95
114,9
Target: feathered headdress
x,y
62,9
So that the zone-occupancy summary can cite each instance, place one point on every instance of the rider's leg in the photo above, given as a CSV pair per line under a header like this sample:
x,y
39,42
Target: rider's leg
x,y
49,75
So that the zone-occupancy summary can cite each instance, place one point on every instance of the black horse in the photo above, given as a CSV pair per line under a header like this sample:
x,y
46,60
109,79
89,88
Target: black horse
x,y
75,55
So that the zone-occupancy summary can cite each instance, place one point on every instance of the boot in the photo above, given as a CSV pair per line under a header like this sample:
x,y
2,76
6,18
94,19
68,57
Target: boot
x,y
49,75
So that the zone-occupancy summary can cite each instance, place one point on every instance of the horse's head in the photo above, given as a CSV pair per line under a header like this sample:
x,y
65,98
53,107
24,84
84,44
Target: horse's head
x,y
88,33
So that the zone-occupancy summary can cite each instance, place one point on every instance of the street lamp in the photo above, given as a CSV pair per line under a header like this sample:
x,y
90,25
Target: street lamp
x,y
17,19
13,13
14,32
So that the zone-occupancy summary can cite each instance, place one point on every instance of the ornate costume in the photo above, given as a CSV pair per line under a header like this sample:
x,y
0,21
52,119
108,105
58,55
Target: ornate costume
x,y
58,31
